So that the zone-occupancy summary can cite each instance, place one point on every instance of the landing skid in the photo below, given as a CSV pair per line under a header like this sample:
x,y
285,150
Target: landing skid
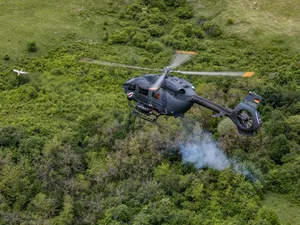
x,y
149,115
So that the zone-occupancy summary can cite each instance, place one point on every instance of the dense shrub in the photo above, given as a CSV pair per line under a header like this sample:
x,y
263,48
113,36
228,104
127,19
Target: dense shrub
x,y
175,3
31,46
157,17
57,71
279,147
184,36
133,11
156,3
6,57
212,29
140,39
10,136
154,46
184,12
156,30
119,37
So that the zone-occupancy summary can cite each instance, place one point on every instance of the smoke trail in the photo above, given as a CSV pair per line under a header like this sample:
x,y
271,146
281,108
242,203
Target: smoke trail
x,y
202,151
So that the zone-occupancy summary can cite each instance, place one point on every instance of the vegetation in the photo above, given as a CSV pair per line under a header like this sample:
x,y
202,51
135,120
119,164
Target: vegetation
x,y
71,153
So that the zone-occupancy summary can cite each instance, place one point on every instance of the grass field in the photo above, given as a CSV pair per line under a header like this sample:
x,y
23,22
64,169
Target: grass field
x,y
255,20
56,22
51,23
288,213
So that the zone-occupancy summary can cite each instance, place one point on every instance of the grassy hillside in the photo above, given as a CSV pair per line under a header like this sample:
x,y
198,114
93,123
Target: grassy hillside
x,y
286,210
70,150
52,24
257,21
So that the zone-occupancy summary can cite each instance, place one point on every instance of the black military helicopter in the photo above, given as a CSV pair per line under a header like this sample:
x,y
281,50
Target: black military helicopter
x,y
163,94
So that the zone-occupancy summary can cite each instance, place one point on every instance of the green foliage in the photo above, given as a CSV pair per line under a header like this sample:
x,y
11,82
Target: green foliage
x,y
66,215
57,71
267,217
184,37
118,37
140,39
175,3
154,46
31,47
156,30
71,153
230,21
184,12
212,29
279,147
155,3
6,57
157,17
10,136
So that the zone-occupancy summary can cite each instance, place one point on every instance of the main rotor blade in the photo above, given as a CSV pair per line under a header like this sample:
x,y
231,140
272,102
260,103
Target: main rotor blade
x,y
100,62
158,82
203,73
180,57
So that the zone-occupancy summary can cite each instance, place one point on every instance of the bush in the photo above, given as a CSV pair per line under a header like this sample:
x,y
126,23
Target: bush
x,y
134,10
140,39
212,29
230,21
31,47
156,3
184,36
175,3
10,136
184,12
144,23
57,71
156,30
278,148
154,46
119,37
6,57
156,17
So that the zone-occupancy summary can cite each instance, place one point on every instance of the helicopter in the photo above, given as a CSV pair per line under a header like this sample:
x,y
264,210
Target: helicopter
x,y
154,95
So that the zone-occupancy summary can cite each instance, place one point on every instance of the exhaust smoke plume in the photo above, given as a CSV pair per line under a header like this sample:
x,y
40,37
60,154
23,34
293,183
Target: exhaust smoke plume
x,y
202,151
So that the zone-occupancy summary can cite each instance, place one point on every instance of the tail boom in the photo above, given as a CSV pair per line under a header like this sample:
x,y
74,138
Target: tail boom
x,y
245,115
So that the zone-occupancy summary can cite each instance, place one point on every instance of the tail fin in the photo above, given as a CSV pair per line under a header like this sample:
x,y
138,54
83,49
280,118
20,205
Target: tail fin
x,y
246,116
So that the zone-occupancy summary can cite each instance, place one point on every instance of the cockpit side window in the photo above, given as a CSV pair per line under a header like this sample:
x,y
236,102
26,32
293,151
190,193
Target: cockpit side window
x,y
131,87
156,95
143,91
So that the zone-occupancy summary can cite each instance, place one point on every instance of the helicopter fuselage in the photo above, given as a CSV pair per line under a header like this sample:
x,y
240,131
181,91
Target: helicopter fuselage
x,y
173,98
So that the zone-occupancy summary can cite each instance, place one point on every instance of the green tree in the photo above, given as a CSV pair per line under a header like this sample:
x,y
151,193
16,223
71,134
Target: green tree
x,y
279,147
66,215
